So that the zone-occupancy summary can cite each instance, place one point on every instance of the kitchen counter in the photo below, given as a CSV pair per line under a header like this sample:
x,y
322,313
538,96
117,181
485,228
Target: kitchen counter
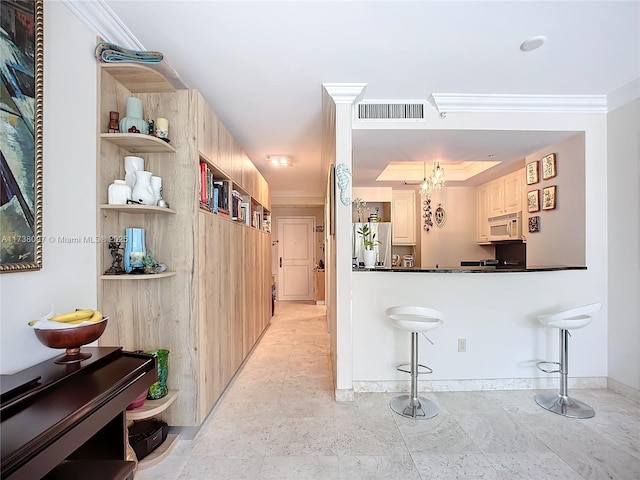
x,y
474,269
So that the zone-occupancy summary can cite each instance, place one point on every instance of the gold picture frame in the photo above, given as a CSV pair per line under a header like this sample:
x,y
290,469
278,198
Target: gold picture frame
x,y
549,197
532,173
549,166
533,201
21,216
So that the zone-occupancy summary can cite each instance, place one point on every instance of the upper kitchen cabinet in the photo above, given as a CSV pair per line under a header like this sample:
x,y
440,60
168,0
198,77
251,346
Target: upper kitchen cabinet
x,y
504,195
403,217
482,212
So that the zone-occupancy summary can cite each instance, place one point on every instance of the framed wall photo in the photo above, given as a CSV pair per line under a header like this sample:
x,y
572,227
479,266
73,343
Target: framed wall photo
x,y
549,166
533,201
549,195
534,224
21,139
532,173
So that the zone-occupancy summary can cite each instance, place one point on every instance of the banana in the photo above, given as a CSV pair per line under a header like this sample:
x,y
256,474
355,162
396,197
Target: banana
x,y
77,315
95,318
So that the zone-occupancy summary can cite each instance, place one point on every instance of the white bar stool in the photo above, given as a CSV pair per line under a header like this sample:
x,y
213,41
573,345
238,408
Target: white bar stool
x,y
561,403
415,320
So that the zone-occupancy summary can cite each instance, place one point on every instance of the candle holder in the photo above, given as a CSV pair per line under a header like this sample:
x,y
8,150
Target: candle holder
x,y
162,128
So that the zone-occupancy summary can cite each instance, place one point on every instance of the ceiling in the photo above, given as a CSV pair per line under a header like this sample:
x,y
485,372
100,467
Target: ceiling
x,y
261,66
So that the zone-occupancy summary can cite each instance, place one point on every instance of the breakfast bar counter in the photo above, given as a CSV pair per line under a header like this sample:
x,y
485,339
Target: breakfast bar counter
x,y
474,269
493,316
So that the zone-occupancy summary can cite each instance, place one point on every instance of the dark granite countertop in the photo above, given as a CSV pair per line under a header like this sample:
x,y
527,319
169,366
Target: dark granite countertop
x,y
490,269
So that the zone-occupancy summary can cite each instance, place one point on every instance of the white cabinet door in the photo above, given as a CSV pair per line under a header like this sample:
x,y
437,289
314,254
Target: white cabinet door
x,y
495,198
505,194
482,214
403,216
513,192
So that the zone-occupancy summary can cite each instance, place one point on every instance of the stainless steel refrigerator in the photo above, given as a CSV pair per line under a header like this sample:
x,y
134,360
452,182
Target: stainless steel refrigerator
x,y
382,230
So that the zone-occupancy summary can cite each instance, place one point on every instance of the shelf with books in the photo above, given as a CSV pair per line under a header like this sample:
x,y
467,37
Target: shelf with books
x,y
220,195
215,189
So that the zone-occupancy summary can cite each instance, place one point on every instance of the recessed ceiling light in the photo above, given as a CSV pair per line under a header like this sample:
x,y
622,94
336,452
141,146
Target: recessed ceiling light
x,y
280,160
533,43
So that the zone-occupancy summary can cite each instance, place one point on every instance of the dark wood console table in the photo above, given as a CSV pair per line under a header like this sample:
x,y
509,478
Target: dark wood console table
x,y
50,413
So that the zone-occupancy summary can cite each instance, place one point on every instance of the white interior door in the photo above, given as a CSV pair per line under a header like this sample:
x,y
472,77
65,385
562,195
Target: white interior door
x,y
295,258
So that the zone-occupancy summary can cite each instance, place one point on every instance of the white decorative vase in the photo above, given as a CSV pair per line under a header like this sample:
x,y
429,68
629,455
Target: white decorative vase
x,y
134,117
142,191
131,166
119,192
156,186
370,258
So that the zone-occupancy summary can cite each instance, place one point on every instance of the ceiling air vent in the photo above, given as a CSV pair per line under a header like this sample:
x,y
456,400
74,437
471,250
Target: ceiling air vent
x,y
390,111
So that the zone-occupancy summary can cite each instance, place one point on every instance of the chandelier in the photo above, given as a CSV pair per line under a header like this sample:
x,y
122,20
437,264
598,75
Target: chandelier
x,y
435,182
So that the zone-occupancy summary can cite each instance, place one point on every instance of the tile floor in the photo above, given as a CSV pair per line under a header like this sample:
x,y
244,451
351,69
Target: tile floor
x,y
278,421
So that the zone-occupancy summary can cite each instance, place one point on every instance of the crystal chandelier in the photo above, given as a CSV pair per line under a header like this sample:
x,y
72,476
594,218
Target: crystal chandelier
x,y
435,182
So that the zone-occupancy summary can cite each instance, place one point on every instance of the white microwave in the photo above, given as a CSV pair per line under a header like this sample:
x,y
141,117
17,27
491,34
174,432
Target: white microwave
x,y
505,227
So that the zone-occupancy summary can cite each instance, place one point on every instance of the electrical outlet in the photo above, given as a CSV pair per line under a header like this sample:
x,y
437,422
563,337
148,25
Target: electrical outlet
x,y
462,345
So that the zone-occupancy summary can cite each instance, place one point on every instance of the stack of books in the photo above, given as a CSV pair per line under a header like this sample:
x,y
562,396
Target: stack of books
x,y
236,199
214,194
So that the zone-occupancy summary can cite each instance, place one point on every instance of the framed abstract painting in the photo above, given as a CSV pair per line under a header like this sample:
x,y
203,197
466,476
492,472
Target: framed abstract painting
x,y
21,120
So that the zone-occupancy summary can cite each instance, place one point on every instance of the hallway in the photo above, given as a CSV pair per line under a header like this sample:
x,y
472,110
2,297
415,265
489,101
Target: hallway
x,y
278,421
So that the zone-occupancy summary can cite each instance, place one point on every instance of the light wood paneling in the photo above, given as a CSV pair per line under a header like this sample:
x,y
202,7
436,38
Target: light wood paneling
x,y
210,313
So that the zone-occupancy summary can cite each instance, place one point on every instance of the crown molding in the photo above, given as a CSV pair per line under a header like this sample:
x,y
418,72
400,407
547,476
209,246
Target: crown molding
x,y
460,102
103,21
345,92
625,94
99,17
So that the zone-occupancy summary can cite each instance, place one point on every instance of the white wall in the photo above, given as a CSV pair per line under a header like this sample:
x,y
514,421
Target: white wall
x,y
456,240
623,209
68,276
561,239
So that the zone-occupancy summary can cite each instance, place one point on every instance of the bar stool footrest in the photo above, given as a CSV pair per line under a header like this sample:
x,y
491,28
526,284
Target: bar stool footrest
x,y
426,371
539,364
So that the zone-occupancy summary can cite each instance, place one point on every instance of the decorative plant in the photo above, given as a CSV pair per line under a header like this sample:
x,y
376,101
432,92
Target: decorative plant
x,y
368,238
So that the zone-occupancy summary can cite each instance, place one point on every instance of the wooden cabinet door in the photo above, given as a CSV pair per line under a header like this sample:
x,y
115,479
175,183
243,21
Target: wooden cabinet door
x,y
403,217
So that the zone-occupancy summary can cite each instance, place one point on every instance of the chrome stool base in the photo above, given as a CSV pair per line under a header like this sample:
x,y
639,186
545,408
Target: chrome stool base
x,y
418,408
564,405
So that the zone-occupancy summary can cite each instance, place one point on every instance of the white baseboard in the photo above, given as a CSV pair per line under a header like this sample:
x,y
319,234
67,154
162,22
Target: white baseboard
x,y
480,384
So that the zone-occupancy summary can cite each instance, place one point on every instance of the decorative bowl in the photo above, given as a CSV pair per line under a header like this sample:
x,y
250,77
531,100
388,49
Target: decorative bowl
x,y
139,401
72,339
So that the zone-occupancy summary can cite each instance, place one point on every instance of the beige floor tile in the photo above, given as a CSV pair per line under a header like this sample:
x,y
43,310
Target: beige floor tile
x,y
278,420
300,468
